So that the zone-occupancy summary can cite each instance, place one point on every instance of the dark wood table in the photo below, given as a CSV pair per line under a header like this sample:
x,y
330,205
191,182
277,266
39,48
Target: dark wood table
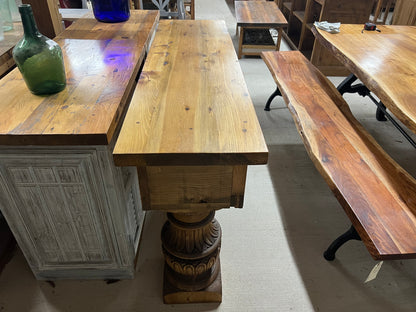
x,y
191,130
384,61
258,15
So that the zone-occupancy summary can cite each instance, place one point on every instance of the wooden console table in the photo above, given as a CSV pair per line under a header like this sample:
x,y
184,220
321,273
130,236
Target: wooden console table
x,y
73,213
191,130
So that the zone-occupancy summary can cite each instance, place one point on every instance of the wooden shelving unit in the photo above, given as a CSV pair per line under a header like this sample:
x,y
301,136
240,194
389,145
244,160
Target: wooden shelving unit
x,y
301,14
286,7
404,12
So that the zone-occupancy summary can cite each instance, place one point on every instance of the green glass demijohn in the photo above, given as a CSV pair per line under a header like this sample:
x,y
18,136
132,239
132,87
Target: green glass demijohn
x,y
38,58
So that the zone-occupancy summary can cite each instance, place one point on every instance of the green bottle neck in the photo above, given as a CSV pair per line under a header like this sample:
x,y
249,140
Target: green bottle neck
x,y
28,21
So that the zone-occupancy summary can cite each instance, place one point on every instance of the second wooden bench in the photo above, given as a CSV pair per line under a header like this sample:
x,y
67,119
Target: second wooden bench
x,y
377,194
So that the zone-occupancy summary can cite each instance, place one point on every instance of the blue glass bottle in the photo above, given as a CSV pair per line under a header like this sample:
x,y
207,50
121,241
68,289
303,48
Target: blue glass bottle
x,y
111,11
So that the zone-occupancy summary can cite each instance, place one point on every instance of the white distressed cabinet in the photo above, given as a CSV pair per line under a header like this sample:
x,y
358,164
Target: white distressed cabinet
x,y
73,213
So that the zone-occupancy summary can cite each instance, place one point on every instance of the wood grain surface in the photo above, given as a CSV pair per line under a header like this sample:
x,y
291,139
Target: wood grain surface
x,y
191,105
404,12
377,194
259,13
88,27
6,47
384,61
101,65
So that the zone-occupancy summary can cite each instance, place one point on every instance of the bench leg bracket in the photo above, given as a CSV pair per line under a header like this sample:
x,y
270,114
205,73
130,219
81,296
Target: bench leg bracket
x,y
271,97
346,86
329,254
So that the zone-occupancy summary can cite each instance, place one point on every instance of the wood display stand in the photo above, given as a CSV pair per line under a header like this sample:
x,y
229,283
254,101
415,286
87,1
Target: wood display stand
x,y
301,14
192,147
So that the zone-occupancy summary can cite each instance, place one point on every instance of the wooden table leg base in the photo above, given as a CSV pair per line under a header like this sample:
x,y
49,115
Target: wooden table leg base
x,y
173,295
191,246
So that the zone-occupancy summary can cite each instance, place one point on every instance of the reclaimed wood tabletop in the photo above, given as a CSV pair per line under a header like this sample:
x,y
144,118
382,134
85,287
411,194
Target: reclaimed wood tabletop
x,y
384,61
259,13
102,61
191,105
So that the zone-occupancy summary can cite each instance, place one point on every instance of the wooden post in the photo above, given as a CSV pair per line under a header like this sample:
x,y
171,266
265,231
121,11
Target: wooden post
x,y
47,16
137,4
404,12
191,246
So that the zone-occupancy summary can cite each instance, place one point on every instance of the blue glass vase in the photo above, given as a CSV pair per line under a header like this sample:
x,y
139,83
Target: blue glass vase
x,y
111,11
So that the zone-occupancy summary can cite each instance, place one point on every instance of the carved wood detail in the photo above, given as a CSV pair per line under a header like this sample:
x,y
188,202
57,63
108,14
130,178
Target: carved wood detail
x,y
191,245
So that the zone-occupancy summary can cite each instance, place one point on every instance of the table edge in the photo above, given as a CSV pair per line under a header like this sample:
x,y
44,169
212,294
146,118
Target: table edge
x,y
366,79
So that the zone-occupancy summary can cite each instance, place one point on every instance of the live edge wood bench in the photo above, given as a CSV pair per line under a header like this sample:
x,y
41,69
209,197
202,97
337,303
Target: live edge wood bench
x,y
377,194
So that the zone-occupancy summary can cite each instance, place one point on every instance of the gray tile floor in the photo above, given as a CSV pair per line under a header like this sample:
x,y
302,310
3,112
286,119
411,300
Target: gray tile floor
x,y
271,253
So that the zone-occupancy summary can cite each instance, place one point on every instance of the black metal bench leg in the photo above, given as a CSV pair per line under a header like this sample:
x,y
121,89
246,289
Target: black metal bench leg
x,y
271,97
346,86
380,116
329,254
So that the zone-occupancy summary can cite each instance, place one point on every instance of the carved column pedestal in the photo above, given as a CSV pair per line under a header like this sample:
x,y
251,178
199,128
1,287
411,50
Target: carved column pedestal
x,y
191,246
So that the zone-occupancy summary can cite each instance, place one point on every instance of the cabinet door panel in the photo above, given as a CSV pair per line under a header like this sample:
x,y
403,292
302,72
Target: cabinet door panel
x,y
57,208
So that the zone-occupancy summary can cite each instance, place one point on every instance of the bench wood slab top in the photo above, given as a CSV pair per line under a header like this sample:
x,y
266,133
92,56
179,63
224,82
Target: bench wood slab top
x,y
191,105
384,61
259,13
376,193
101,65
